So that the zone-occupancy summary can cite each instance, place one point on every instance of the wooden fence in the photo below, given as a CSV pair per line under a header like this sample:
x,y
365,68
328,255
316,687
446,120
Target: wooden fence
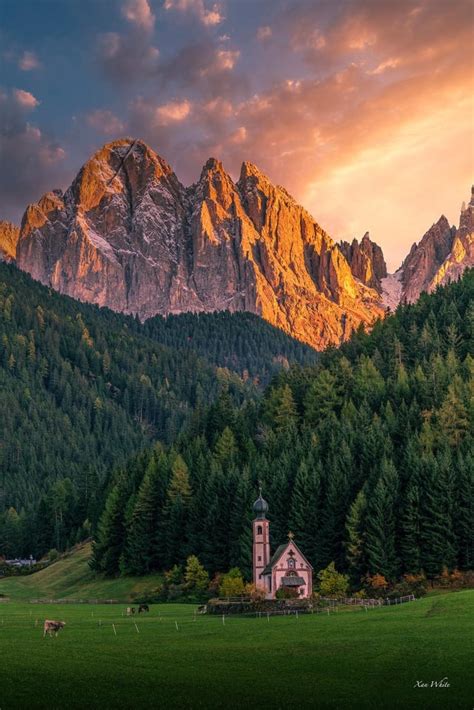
x,y
355,601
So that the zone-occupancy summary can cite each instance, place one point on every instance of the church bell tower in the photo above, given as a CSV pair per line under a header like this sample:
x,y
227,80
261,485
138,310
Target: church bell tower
x,y
261,540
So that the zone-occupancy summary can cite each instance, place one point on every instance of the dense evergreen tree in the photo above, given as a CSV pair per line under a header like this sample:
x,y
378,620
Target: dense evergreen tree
x,y
83,388
366,455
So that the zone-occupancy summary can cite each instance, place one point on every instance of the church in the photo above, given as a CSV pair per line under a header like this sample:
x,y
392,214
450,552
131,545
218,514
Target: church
x,y
287,567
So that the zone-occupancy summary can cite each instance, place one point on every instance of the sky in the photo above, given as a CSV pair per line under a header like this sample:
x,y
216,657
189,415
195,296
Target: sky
x,y
362,109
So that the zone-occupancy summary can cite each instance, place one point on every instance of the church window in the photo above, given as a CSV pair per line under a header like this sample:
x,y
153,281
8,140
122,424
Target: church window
x,y
259,530
259,558
291,563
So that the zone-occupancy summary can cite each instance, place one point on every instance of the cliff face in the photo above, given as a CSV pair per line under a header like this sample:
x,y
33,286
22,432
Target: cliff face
x,y
425,258
441,256
366,261
9,234
129,236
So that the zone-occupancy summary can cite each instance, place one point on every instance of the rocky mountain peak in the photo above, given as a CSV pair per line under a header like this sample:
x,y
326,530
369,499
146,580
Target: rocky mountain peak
x,y
441,256
9,234
128,235
366,261
425,258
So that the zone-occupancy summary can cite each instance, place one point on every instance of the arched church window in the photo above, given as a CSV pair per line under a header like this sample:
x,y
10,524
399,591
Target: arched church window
x,y
291,563
259,529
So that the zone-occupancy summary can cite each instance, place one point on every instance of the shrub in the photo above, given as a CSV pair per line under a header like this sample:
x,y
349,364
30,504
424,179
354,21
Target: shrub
x,y
332,583
196,577
455,579
287,593
174,575
255,593
232,584
376,585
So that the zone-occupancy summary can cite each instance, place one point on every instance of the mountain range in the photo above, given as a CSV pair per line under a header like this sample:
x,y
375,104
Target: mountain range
x,y
128,235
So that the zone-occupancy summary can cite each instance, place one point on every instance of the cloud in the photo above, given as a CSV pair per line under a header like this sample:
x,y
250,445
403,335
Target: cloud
x,y
264,32
174,111
383,66
36,161
105,122
208,17
131,56
128,58
25,99
28,61
139,13
203,69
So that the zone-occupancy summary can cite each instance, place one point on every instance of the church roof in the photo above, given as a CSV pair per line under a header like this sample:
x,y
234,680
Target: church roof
x,y
274,559
292,581
279,552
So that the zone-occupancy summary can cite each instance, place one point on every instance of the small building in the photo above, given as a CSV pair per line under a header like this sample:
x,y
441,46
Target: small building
x,y
286,568
18,562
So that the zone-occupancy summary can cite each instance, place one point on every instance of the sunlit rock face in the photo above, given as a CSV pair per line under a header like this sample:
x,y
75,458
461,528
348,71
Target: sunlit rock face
x,y
9,234
128,235
366,261
441,256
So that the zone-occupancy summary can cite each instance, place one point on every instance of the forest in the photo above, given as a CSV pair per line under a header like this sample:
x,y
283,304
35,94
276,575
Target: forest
x,y
366,454
367,457
82,389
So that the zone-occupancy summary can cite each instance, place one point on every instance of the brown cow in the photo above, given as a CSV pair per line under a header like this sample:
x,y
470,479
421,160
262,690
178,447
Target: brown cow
x,y
52,627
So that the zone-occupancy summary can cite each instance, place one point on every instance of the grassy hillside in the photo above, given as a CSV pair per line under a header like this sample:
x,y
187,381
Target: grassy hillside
x,y
71,578
348,661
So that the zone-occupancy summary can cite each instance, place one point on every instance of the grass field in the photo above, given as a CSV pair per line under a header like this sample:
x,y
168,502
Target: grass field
x,y
71,578
351,659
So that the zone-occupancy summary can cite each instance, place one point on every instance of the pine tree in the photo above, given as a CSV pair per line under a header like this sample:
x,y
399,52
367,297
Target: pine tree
x,y
305,517
145,531
410,528
464,517
176,513
355,537
452,416
323,398
108,545
285,416
381,523
436,524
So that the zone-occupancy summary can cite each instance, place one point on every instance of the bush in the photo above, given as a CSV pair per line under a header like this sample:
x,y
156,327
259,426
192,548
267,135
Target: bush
x,y
232,584
332,583
196,579
376,585
255,593
455,579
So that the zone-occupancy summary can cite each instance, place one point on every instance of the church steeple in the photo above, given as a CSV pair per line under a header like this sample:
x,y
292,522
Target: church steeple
x,y
261,540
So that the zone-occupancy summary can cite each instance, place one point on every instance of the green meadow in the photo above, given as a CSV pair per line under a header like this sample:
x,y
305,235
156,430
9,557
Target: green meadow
x,y
174,658
71,578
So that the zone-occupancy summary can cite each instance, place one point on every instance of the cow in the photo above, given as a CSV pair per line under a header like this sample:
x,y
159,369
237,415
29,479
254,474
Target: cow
x,y
52,627
143,607
130,610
